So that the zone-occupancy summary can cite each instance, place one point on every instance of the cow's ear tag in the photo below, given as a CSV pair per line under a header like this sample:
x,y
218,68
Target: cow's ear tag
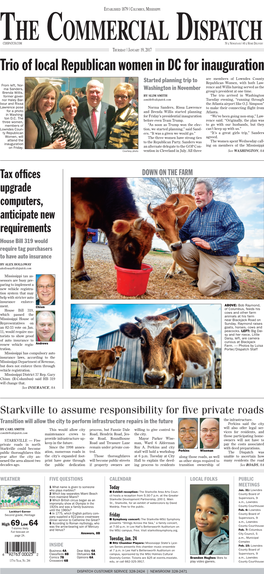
x,y
120,227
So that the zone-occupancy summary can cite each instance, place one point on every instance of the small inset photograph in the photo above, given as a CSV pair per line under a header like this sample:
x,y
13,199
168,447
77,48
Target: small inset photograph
x,y
81,113
45,289
45,326
19,497
167,238
146,346
209,519
210,432
187,433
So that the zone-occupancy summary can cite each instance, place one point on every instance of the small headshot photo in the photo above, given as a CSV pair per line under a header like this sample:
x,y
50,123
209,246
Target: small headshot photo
x,y
209,433
45,285
209,507
45,326
188,433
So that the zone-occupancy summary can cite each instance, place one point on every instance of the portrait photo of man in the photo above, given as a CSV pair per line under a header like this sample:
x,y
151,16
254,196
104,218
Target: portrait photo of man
x,y
188,433
45,326
45,290
209,433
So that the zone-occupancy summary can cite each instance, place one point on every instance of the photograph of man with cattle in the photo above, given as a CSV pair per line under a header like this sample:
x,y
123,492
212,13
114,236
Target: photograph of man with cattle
x,y
167,238
146,346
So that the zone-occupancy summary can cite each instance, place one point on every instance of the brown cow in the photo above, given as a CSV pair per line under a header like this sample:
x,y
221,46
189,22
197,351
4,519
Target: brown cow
x,y
169,218
169,351
105,359
217,373
108,204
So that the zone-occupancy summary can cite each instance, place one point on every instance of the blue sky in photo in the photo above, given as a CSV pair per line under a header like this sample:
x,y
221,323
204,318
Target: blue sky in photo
x,y
247,199
102,319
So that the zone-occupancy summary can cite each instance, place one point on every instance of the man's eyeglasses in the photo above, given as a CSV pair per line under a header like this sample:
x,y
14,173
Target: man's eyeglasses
x,y
192,431
45,286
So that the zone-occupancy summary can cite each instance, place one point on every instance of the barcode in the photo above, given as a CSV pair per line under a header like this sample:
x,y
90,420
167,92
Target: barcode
x,y
20,547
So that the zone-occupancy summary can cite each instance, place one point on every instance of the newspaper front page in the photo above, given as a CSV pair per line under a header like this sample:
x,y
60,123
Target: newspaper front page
x,y
131,289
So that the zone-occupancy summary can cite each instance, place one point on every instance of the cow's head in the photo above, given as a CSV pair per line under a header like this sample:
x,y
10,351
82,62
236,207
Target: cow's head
x,y
212,342
169,218
130,241
156,335
118,350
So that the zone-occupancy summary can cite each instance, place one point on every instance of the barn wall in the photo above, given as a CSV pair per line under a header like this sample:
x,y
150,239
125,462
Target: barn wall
x,y
129,368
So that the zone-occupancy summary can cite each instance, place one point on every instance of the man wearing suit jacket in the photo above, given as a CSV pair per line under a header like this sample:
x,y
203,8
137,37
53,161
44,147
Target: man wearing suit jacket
x,y
93,117
82,95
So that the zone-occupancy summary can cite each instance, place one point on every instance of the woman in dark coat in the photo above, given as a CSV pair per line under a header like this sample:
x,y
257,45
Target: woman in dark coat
x,y
38,129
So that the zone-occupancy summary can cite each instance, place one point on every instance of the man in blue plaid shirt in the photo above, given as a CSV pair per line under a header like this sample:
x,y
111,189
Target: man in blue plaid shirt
x,y
214,230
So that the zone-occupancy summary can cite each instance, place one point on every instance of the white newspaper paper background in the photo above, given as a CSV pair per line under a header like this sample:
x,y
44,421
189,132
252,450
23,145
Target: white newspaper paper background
x,y
107,475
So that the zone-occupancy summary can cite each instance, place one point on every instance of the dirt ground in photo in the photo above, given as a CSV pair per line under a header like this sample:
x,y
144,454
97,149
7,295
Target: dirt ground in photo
x,y
101,269
92,382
